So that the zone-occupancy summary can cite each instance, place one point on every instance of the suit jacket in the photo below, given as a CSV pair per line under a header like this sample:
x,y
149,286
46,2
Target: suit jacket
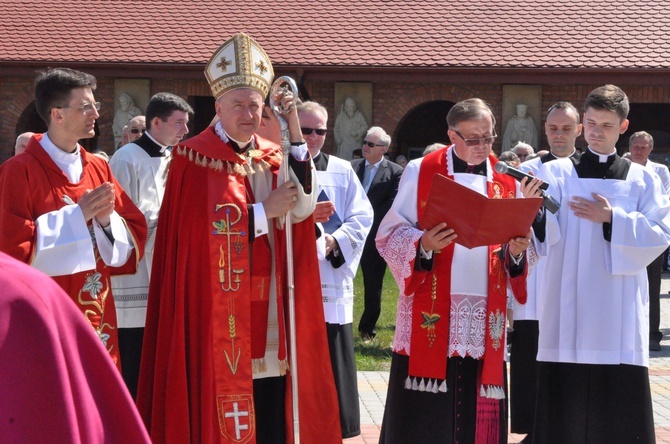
x,y
383,189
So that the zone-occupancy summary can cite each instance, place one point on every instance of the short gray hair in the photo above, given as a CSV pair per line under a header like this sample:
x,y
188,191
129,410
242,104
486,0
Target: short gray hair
x,y
469,109
643,134
381,134
314,107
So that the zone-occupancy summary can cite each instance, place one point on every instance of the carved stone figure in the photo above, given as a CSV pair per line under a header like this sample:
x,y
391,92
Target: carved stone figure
x,y
127,111
520,128
350,127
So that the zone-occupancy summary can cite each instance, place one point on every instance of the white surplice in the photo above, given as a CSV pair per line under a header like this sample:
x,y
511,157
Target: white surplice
x,y
143,179
352,206
595,293
63,240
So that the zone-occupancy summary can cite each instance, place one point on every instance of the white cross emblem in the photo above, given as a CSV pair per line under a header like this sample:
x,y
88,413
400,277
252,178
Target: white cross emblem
x,y
236,414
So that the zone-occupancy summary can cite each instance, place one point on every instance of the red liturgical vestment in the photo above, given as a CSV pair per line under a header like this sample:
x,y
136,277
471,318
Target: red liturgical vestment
x,y
207,315
32,185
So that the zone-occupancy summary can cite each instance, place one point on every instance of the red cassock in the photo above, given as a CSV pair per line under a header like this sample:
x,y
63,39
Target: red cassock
x,y
31,185
203,325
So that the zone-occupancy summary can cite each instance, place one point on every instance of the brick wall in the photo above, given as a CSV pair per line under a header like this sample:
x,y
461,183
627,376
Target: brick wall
x,y
392,101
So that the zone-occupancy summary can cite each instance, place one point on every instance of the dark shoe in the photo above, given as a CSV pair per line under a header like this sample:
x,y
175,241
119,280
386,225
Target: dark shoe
x,y
654,346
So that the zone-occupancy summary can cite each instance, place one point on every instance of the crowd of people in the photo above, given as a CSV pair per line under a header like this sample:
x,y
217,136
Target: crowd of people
x,y
165,304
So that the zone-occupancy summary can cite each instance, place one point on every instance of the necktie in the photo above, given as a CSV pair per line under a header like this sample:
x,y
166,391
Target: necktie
x,y
470,169
367,177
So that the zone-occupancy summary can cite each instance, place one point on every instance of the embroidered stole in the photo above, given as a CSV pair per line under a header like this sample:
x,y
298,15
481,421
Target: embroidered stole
x,y
240,278
429,343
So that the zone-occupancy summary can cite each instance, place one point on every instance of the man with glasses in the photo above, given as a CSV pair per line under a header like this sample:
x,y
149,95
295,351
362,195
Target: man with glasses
x,y
141,169
380,179
136,128
447,371
62,210
522,151
339,249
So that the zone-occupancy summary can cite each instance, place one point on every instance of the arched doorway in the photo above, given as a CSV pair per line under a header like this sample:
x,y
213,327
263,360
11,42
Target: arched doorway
x,y
422,126
30,121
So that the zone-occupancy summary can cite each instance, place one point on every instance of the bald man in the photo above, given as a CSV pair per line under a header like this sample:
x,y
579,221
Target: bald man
x,y
21,142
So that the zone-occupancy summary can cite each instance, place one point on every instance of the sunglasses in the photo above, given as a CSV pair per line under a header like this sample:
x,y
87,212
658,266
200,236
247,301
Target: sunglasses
x,y
137,130
318,131
371,144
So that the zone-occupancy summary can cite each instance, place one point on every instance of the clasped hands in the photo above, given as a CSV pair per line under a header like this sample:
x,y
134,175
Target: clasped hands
x,y
98,203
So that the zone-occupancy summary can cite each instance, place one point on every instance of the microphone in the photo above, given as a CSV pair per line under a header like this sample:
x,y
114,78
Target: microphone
x,y
547,201
503,168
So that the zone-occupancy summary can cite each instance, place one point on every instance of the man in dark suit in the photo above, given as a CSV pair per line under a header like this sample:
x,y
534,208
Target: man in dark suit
x,y
380,179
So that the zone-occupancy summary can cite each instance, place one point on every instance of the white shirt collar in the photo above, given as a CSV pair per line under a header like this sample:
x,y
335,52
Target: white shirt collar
x,y
57,154
375,165
69,163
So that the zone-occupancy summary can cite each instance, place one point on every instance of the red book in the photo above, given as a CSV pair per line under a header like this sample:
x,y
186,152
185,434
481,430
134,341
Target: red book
x,y
476,219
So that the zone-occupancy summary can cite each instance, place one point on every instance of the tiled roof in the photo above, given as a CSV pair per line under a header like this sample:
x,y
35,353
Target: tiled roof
x,y
548,34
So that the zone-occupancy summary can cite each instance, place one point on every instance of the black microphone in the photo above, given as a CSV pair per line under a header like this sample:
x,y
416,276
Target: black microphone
x,y
503,168
547,201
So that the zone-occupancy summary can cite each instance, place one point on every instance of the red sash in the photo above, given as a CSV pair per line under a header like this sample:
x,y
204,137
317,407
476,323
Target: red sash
x,y
432,298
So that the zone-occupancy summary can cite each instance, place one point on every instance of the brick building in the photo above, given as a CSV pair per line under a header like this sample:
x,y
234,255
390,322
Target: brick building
x,y
404,62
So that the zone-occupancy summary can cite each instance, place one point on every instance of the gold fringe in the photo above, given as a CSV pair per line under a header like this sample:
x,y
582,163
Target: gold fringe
x,y
258,366
241,169
283,367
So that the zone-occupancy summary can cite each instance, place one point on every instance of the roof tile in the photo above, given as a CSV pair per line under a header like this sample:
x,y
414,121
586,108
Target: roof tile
x,y
345,33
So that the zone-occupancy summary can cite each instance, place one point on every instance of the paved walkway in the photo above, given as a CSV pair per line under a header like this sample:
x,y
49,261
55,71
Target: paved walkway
x,y
372,388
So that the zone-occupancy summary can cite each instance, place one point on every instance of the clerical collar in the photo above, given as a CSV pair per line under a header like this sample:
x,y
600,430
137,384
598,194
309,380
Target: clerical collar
x,y
603,158
237,145
551,156
150,146
163,147
461,166
320,161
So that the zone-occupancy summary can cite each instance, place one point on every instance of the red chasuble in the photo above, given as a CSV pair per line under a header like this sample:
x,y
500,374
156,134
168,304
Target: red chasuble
x,y
207,315
31,185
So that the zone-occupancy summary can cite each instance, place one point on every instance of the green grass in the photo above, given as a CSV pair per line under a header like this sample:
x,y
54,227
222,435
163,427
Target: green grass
x,y
376,356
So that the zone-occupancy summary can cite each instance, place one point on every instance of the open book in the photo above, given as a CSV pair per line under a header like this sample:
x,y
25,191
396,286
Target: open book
x,y
476,219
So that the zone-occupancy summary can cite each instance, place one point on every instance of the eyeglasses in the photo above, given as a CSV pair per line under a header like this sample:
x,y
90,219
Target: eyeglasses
x,y
372,144
86,107
476,142
318,131
137,130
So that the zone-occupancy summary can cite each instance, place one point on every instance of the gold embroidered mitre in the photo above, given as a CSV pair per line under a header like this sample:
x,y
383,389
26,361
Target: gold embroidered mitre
x,y
239,63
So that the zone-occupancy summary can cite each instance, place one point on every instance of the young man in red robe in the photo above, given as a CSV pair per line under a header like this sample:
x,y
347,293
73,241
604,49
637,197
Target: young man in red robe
x,y
62,211
215,359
